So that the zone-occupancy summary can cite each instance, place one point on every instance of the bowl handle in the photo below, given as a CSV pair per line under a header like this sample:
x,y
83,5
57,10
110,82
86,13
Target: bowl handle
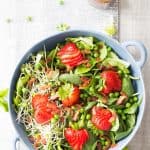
x,y
140,47
16,143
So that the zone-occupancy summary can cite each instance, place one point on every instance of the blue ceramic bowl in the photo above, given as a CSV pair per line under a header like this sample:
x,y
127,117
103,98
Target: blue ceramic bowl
x,y
120,49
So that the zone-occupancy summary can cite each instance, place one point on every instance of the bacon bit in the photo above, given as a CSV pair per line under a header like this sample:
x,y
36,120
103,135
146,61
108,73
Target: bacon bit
x,y
31,82
43,141
113,145
75,116
85,82
108,140
53,97
104,100
121,100
86,51
44,87
31,138
93,98
99,147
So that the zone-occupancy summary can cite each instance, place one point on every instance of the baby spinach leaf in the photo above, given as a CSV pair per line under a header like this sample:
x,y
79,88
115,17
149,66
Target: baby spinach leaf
x,y
127,86
71,78
121,135
131,119
91,143
21,82
82,69
3,92
103,53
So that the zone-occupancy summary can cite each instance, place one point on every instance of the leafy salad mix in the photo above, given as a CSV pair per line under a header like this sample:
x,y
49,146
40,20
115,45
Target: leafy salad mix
x,y
77,96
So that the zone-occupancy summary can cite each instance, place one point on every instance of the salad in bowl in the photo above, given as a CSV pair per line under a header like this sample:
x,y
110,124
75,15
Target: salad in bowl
x,y
78,96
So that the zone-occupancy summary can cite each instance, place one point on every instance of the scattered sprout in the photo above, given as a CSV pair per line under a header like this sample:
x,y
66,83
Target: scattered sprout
x,y
8,20
62,27
3,102
111,30
61,2
29,18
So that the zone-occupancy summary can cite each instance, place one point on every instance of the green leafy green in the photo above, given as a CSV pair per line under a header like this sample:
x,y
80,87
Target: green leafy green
x,y
121,135
65,90
21,83
3,102
131,120
115,126
62,26
91,143
71,78
127,86
103,52
83,42
132,109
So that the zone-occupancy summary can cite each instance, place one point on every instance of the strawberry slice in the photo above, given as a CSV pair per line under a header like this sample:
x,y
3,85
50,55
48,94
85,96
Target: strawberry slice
x,y
76,138
112,81
44,110
101,118
39,100
70,55
69,94
42,115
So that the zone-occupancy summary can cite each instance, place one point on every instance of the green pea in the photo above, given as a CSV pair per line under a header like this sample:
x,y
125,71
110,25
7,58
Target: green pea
x,y
53,120
111,95
106,143
128,105
82,117
89,124
95,54
119,111
120,72
103,143
135,98
91,89
88,116
123,117
81,124
109,48
82,95
81,110
116,94
56,117
131,100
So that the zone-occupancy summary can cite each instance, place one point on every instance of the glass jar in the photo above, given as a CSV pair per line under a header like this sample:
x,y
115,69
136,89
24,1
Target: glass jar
x,y
100,3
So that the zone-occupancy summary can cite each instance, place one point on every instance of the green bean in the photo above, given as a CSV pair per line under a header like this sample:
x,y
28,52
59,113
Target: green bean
x,y
89,105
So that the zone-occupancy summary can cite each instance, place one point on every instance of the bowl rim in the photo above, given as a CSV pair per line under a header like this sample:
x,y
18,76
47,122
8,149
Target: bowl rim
x,y
107,40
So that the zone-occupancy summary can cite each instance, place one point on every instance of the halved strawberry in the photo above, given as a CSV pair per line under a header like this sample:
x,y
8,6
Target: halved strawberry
x,y
42,116
112,82
76,138
101,118
69,94
39,100
44,110
70,55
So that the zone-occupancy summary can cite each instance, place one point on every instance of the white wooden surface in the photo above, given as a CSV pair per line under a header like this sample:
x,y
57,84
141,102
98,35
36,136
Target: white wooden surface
x,y
135,24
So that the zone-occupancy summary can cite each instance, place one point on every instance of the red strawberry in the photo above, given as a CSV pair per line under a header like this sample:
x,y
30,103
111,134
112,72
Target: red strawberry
x,y
42,116
76,138
39,100
101,118
112,82
44,110
70,55
72,98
